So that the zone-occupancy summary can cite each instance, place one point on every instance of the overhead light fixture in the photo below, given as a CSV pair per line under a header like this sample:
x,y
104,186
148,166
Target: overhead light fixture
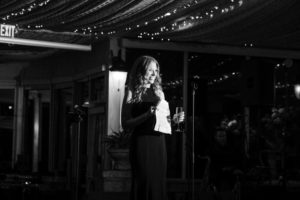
x,y
86,103
297,90
87,100
117,63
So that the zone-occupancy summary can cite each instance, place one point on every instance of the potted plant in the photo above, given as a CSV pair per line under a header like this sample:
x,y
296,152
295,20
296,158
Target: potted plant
x,y
118,149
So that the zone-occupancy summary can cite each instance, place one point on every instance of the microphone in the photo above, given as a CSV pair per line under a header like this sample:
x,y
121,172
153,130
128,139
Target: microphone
x,y
79,110
194,82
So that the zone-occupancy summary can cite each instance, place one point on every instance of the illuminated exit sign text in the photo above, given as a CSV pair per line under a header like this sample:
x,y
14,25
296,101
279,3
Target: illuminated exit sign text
x,y
7,30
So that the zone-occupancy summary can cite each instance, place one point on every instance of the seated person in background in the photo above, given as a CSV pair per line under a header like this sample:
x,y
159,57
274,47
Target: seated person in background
x,y
226,162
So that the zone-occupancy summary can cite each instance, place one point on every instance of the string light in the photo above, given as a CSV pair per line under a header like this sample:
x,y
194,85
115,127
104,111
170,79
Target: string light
x,y
179,82
248,45
173,84
181,24
280,85
224,77
198,16
24,11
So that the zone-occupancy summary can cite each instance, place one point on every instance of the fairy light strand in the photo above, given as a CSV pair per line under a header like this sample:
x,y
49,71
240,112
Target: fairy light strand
x,y
26,10
202,16
179,25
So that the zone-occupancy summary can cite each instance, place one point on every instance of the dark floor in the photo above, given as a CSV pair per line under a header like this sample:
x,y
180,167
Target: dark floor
x,y
107,196
264,193
261,194
253,192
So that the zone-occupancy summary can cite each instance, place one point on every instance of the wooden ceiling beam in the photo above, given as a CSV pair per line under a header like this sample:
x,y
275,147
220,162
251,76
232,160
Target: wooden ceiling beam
x,y
40,43
211,49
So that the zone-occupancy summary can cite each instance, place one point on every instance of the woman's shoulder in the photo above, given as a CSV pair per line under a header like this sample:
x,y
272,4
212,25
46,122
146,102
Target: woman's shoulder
x,y
128,94
161,95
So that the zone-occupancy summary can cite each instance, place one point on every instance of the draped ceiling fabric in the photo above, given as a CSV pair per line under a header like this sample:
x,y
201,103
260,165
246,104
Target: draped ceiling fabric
x,y
272,24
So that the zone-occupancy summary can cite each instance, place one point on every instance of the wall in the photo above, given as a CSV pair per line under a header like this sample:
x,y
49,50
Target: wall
x,y
8,71
66,65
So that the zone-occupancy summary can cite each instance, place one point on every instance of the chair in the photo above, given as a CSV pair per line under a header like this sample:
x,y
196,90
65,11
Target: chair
x,y
205,171
271,161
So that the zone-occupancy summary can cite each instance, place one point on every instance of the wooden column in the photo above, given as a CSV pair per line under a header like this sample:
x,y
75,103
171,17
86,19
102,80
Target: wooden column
x,y
18,140
185,95
36,132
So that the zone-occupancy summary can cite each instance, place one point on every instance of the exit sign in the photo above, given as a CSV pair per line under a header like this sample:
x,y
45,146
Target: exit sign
x,y
7,30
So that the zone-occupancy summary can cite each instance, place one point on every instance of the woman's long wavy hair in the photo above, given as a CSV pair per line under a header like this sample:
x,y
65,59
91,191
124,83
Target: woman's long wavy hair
x,y
136,81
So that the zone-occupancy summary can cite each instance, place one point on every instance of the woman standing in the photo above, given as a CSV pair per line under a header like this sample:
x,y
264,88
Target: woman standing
x,y
148,151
